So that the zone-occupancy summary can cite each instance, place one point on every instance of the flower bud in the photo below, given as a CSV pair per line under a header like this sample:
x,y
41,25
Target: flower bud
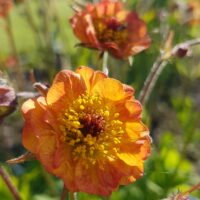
x,y
8,101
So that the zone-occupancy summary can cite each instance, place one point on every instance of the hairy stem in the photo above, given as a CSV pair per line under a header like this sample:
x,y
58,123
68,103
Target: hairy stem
x,y
150,82
4,175
159,65
183,194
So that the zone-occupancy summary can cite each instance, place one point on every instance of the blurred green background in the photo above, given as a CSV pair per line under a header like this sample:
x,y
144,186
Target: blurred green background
x,y
38,32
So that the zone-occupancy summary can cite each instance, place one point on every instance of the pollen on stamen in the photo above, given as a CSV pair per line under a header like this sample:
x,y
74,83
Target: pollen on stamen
x,y
91,128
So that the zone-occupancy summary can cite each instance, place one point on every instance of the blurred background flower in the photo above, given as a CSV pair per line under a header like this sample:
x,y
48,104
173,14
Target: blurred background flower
x,y
108,26
5,6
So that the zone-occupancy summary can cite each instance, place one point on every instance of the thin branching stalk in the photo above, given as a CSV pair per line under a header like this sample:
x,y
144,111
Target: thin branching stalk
x,y
150,82
159,65
183,194
13,190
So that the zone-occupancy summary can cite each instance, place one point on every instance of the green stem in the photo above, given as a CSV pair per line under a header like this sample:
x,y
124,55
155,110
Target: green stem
x,y
72,196
105,63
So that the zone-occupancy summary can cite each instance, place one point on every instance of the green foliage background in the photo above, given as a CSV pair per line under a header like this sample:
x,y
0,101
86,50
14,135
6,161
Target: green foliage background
x,y
46,44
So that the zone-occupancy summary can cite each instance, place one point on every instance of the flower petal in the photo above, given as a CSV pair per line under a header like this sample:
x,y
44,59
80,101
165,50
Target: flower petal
x,y
45,150
90,76
29,139
84,29
131,159
129,110
66,87
133,153
129,173
102,180
39,122
63,166
107,88
129,90
106,8
135,130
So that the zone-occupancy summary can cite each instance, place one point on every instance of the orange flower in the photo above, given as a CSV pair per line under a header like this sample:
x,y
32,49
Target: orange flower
x,y
107,26
193,12
87,130
5,6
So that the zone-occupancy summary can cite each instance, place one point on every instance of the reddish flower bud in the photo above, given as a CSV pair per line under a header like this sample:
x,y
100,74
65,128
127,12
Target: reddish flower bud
x,y
7,101
181,51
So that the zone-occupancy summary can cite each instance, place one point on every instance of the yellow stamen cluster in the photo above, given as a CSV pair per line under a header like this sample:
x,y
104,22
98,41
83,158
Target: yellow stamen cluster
x,y
92,128
108,34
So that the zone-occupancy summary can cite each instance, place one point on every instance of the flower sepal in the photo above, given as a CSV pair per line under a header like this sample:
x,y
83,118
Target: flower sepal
x,y
23,158
41,88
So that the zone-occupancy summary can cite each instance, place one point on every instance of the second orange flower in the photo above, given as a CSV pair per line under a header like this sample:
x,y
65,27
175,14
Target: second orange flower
x,y
107,26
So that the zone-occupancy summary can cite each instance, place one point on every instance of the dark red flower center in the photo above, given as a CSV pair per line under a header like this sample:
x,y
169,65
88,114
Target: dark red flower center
x,y
111,30
115,25
92,124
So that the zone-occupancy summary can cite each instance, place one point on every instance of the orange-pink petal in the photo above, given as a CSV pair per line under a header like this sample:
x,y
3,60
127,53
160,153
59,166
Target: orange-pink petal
x,y
39,122
90,76
110,89
102,180
66,87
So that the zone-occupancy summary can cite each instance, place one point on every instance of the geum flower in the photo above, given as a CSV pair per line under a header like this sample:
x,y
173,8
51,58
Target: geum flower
x,y
193,12
87,130
107,26
5,6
